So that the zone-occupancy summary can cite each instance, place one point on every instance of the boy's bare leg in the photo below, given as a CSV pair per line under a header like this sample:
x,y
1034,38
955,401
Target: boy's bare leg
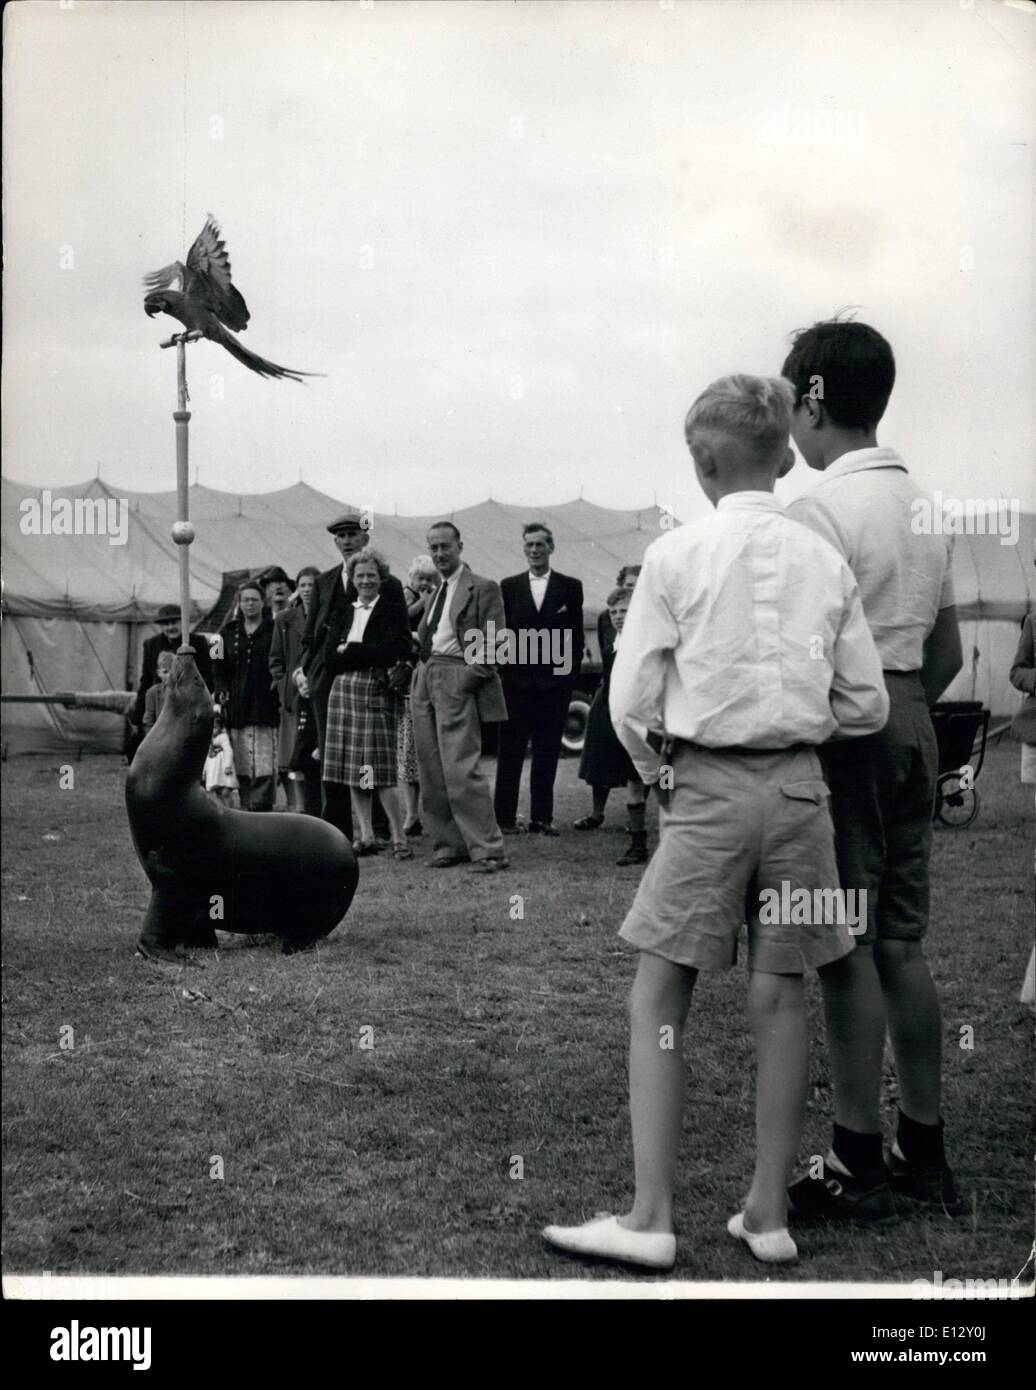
x,y
659,1001
778,1014
915,1026
854,1010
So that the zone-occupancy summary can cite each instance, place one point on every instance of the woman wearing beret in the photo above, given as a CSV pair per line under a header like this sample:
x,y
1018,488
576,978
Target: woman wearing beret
x,y
251,708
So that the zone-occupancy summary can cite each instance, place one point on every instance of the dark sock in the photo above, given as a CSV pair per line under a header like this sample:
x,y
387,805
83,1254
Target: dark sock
x,y
600,800
861,1154
637,814
921,1144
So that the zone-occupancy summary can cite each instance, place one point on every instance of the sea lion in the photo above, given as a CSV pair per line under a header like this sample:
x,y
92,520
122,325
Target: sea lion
x,y
290,875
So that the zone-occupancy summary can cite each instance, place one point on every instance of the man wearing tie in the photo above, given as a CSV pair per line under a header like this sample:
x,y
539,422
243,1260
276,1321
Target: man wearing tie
x,y
454,689
550,604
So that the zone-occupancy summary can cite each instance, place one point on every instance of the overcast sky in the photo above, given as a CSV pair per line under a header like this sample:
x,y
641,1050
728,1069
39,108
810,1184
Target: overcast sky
x,y
518,238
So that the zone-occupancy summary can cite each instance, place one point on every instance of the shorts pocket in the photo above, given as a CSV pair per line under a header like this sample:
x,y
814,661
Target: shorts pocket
x,y
814,790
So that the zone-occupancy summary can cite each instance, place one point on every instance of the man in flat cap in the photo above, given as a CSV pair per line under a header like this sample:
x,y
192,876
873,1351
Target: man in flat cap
x,y
329,613
167,639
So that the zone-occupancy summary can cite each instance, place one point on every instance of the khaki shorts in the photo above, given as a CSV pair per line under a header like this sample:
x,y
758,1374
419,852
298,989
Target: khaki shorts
x,y
743,835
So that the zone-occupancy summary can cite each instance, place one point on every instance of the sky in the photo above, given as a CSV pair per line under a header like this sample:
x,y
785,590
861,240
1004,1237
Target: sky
x,y
519,239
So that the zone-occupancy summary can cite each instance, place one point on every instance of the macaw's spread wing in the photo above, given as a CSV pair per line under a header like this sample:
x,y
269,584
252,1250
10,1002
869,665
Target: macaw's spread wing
x,y
252,360
162,279
208,276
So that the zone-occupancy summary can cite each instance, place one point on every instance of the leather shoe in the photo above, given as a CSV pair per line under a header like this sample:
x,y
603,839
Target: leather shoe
x,y
840,1197
445,860
489,866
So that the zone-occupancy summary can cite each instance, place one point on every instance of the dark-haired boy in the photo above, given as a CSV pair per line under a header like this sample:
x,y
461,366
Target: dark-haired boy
x,y
882,786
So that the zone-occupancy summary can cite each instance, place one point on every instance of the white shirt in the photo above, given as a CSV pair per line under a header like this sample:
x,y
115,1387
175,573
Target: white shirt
x,y
745,629
444,639
538,584
863,505
361,617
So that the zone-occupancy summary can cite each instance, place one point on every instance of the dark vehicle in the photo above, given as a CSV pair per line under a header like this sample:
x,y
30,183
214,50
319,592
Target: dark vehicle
x,y
960,729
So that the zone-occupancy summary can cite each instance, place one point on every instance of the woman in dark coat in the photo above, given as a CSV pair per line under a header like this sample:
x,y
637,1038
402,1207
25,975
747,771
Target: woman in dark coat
x,y
251,709
360,745
285,658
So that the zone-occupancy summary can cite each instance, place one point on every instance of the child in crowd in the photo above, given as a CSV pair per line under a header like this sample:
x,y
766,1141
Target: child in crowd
x,y
744,648
155,697
218,775
604,763
882,787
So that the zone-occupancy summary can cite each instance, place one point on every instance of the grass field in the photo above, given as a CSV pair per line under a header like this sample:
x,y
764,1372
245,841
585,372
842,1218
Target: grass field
x,y
499,1047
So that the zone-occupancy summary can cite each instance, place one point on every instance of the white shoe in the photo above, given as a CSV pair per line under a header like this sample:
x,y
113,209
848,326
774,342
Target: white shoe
x,y
607,1240
772,1247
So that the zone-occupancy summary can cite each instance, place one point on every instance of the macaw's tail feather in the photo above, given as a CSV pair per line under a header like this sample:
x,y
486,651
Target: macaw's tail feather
x,y
254,362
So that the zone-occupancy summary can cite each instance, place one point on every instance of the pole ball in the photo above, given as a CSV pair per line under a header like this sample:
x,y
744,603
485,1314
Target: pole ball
x,y
183,532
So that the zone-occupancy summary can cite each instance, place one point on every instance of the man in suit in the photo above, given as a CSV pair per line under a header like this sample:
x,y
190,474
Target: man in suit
x,y
455,687
329,610
167,639
544,612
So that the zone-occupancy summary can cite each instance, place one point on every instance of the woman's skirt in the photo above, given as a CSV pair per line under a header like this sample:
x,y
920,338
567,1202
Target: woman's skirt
x,y
604,761
255,750
360,738
406,748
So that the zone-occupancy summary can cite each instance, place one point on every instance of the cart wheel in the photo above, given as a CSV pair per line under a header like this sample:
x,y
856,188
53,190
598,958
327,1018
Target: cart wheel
x,y
955,806
574,735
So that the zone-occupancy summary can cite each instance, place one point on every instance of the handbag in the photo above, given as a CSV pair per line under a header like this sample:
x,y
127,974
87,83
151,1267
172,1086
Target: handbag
x,y
399,677
301,759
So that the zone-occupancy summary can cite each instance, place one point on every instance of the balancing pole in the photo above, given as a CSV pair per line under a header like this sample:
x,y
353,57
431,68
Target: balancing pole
x,y
183,531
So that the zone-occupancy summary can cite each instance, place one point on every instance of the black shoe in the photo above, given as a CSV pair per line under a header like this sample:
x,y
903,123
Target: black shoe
x,y
535,827
839,1197
415,829
545,827
637,852
510,830
588,823
933,1187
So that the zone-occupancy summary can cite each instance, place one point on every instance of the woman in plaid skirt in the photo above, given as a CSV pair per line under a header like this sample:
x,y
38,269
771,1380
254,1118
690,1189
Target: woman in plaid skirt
x,y
360,741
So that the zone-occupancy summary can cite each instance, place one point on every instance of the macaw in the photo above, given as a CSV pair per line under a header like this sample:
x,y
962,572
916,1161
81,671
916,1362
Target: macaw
x,y
207,300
